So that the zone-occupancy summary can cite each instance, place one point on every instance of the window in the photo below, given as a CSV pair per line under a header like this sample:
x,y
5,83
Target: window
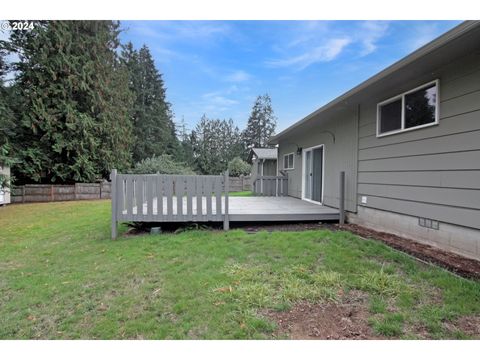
x,y
288,161
413,109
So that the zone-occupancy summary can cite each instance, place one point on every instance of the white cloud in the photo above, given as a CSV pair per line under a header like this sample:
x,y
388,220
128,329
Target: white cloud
x,y
175,31
423,34
238,76
312,42
323,53
369,33
215,99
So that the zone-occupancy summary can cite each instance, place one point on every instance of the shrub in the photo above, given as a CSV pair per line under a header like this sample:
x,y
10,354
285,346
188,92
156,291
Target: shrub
x,y
238,167
163,164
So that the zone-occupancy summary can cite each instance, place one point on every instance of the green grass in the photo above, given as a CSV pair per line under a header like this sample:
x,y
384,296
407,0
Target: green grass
x,y
63,278
240,193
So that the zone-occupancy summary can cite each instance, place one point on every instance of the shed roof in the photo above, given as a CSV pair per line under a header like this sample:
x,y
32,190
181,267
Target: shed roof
x,y
265,153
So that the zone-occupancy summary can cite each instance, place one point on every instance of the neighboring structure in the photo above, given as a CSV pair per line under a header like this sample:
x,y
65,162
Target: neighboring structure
x,y
408,140
264,162
4,192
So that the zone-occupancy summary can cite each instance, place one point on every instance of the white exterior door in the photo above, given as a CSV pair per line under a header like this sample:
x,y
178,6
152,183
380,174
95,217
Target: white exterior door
x,y
313,174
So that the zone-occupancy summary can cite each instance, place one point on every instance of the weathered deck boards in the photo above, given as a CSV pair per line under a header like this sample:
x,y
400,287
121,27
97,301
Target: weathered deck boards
x,y
198,198
251,208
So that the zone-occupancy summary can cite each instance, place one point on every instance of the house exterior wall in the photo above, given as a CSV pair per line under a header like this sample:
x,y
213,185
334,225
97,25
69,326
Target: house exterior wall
x,y
269,167
432,172
254,171
340,155
6,192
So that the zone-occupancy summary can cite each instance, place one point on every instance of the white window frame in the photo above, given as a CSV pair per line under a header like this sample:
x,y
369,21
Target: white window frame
x,y
402,97
293,161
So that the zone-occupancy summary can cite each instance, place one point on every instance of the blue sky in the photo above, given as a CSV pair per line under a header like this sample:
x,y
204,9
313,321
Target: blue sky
x,y
217,68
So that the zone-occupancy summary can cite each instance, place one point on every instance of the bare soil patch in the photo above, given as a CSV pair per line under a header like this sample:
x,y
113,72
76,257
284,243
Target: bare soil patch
x,y
456,263
469,325
325,321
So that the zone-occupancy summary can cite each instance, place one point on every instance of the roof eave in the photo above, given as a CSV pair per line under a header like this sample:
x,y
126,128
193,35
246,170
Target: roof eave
x,y
437,43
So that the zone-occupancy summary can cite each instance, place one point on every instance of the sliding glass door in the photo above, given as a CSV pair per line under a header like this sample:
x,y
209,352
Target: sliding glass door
x,y
313,174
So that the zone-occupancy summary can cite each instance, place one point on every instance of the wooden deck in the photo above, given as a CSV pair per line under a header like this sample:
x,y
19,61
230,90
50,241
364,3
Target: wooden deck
x,y
250,209
205,198
283,208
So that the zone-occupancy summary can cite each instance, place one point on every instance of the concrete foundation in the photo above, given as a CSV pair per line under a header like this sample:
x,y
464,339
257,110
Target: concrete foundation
x,y
458,239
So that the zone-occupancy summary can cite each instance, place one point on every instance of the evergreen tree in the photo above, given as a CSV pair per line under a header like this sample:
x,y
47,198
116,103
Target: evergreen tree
x,y
6,114
216,142
153,127
261,124
187,140
75,94
7,118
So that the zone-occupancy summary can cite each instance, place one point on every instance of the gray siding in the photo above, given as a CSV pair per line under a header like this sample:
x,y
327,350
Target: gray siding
x,y
254,172
269,168
432,172
338,156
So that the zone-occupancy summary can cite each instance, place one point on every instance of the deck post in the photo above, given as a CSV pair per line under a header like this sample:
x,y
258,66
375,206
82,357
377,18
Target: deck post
x,y
226,223
113,195
341,206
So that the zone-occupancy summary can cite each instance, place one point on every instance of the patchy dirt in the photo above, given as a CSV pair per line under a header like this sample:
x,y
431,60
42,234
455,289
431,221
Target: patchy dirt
x,y
456,263
469,325
325,321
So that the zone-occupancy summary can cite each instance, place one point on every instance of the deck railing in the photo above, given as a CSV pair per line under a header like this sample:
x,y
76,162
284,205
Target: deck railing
x,y
169,198
271,186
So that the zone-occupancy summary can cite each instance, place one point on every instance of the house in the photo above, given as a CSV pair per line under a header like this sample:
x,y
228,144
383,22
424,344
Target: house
x,y
264,162
408,140
4,191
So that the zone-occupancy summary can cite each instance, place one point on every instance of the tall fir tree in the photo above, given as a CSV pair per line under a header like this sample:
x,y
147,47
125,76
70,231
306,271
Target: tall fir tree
x,y
153,127
187,140
215,143
75,123
261,124
7,120
6,114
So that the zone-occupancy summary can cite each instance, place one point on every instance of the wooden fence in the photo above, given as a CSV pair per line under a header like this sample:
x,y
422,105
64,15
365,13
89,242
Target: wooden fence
x,y
241,183
271,186
47,193
88,191
169,198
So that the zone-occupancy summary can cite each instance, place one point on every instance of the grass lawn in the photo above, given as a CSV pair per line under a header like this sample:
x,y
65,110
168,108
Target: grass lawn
x,y
62,277
241,193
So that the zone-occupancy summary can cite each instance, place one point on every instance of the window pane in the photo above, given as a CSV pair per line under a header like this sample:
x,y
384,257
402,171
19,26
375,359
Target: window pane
x,y
285,162
290,161
420,107
391,116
